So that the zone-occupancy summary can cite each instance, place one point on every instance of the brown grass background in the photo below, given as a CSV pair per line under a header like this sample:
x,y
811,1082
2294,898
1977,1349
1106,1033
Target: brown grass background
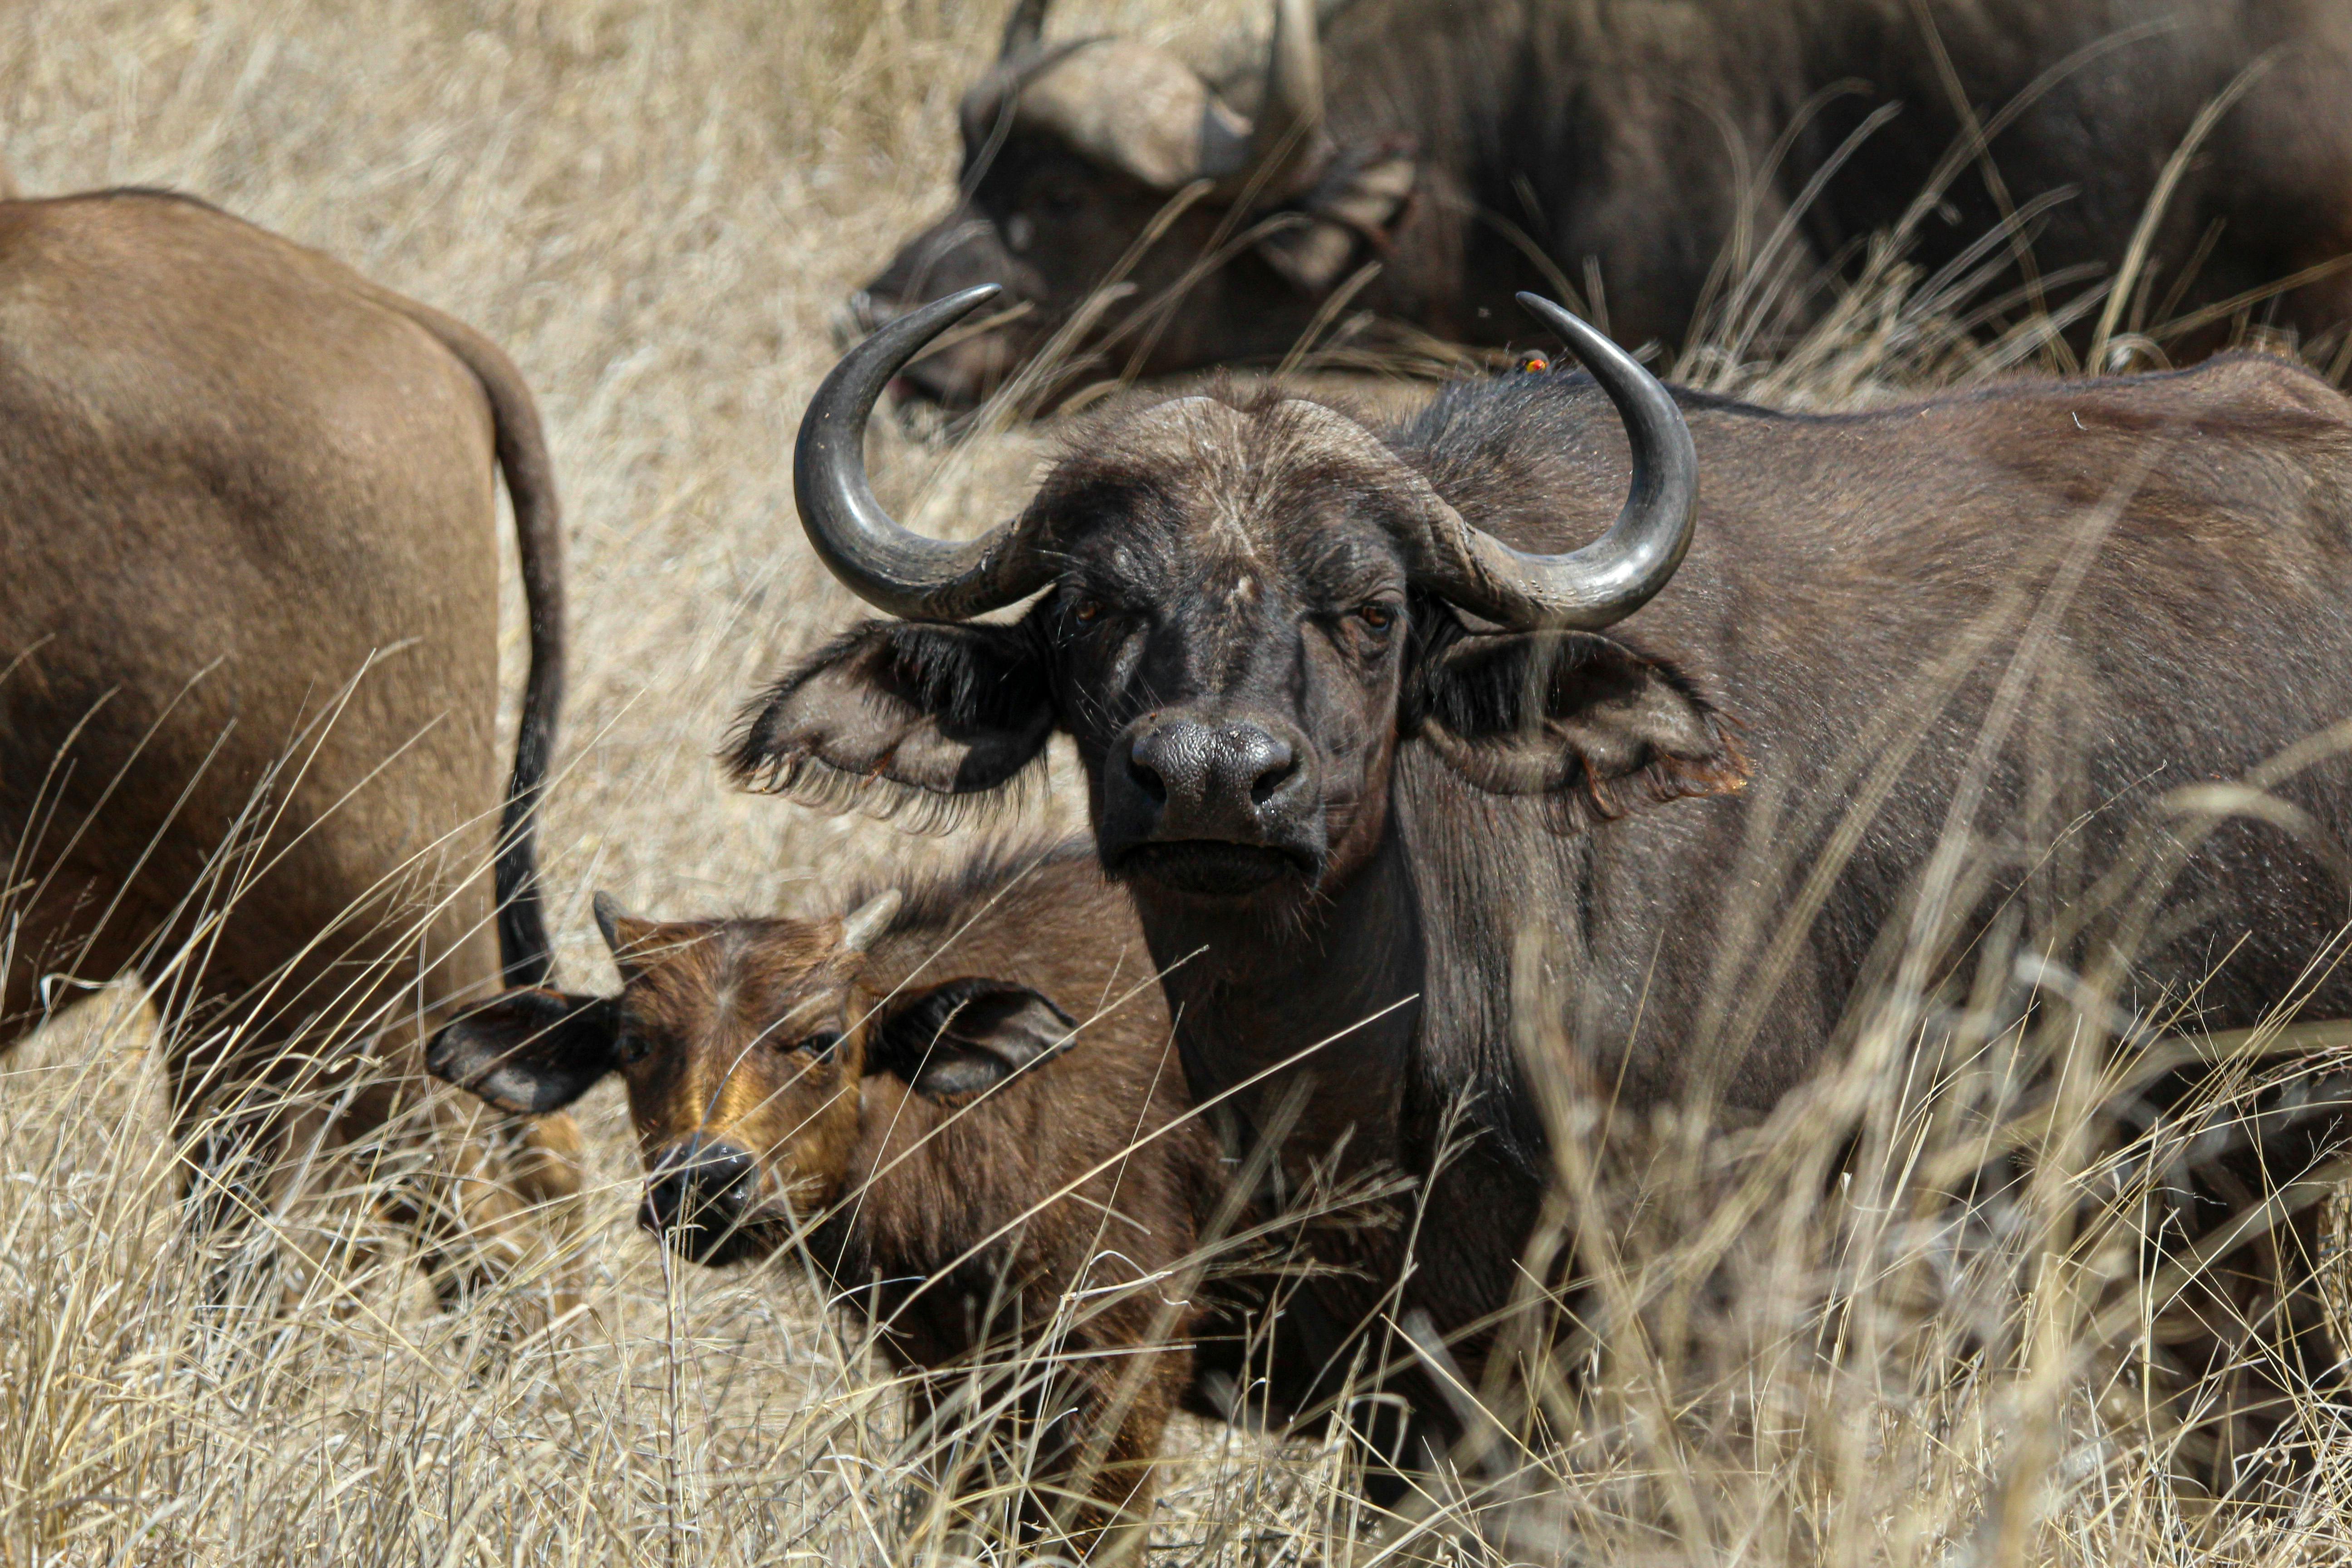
x,y
656,208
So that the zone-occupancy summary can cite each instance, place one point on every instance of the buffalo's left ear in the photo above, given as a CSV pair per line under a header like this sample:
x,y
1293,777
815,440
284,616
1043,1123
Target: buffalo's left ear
x,y
528,1051
967,1036
900,713
1574,715
1360,198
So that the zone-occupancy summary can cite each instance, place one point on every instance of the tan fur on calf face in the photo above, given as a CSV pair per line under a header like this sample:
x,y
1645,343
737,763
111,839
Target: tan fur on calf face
x,y
740,1033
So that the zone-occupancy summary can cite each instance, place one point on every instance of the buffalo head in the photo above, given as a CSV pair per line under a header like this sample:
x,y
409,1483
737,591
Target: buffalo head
x,y
1105,161
744,1045
1249,605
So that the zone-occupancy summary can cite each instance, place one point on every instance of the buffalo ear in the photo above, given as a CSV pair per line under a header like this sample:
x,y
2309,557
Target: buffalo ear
x,y
903,712
1588,720
1361,198
527,1051
967,1036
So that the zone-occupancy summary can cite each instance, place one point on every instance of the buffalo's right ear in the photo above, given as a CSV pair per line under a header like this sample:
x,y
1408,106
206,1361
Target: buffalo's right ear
x,y
528,1051
921,712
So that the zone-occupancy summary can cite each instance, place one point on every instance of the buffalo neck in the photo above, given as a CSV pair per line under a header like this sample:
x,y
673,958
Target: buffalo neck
x,y
1252,991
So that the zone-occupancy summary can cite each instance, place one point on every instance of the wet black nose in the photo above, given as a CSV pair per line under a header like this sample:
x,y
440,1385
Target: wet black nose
x,y
696,1195
1212,776
1212,804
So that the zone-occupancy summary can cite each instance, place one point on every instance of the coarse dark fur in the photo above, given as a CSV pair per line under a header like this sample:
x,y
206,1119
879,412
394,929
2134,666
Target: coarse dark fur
x,y
2161,566
248,678
1558,145
977,1128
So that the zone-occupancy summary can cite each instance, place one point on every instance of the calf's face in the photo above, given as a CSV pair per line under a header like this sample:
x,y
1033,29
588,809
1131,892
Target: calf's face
x,y
744,1046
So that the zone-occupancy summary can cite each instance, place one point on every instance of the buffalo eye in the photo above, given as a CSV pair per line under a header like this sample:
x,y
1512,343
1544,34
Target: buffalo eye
x,y
1379,617
1088,612
820,1045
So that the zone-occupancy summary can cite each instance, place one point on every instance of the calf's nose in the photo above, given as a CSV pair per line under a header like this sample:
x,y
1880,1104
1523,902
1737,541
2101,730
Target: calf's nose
x,y
697,1194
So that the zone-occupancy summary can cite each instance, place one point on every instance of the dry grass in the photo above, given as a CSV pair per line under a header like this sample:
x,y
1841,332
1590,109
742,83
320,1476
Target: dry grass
x,y
655,209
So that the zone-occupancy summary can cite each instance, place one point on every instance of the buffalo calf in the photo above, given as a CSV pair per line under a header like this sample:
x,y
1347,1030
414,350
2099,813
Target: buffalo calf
x,y
964,1100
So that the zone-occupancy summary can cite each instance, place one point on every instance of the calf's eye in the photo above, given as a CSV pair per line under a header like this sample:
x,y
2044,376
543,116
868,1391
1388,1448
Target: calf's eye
x,y
822,1045
632,1049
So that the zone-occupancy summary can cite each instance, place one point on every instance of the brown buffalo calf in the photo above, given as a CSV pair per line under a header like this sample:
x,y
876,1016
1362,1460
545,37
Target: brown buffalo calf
x,y
963,1101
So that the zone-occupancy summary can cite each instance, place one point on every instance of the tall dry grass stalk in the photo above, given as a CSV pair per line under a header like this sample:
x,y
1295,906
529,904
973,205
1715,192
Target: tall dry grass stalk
x,y
1850,1335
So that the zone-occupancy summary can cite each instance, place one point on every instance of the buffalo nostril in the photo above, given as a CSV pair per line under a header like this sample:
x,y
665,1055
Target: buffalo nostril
x,y
1146,776
1276,764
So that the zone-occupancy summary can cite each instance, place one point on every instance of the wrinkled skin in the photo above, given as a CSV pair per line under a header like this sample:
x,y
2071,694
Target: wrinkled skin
x,y
250,644
1343,804
1612,140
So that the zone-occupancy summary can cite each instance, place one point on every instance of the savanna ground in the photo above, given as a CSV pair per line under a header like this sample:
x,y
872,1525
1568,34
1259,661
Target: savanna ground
x,y
655,210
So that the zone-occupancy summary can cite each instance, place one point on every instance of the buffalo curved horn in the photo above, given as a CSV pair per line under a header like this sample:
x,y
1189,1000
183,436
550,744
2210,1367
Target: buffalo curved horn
x,y
1023,29
1290,113
898,571
1615,574
861,925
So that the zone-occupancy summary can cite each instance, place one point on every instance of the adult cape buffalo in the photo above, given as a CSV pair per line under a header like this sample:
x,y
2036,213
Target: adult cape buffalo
x,y
1628,148
249,682
1356,727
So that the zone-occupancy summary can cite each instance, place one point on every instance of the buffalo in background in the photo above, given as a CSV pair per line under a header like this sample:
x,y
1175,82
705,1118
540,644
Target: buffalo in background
x,y
1647,157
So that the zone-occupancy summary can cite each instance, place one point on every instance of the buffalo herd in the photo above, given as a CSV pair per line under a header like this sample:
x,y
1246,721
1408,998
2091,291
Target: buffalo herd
x,y
1685,168
1573,734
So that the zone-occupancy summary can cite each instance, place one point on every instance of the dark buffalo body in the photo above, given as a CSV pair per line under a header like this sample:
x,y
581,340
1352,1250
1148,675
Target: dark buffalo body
x,y
1473,150
1357,803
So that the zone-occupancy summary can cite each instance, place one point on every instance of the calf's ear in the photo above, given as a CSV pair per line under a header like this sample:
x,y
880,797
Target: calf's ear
x,y
966,1036
896,713
527,1051
1589,721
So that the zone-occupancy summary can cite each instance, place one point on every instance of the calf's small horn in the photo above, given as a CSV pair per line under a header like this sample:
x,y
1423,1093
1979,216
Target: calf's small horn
x,y
869,919
894,570
1615,574
608,909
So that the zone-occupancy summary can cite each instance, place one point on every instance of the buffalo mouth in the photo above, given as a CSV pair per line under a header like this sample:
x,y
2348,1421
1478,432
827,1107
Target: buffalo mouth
x,y
1212,868
714,1243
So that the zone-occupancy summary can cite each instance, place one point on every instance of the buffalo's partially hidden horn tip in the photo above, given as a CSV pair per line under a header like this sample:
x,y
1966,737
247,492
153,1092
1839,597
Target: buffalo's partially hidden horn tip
x,y
1023,28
